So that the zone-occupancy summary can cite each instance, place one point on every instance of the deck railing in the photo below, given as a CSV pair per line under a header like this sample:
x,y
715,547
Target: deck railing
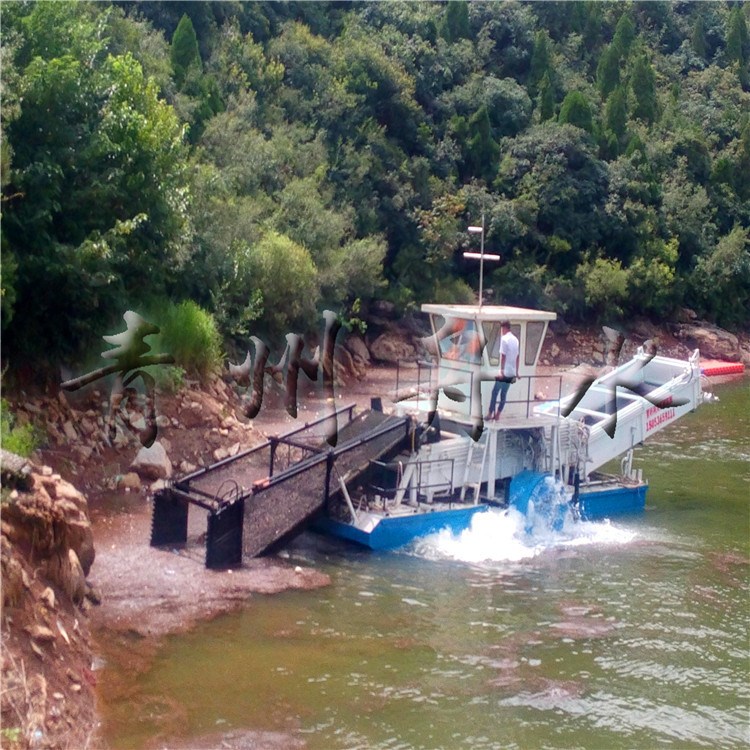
x,y
427,382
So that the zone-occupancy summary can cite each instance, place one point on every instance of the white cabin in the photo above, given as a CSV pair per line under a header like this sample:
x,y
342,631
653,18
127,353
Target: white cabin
x,y
466,340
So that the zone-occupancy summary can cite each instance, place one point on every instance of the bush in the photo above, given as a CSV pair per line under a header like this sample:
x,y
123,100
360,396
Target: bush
x,y
606,287
190,335
168,378
19,439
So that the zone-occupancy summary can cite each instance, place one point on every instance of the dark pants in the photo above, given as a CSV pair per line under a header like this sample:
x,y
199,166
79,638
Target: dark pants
x,y
501,387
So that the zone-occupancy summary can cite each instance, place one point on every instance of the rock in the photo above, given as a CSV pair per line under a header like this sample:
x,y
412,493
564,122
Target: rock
x,y
163,421
63,490
391,347
159,484
84,452
187,468
192,415
70,431
129,481
713,342
554,351
559,327
221,453
48,597
233,449
75,585
356,346
383,309
138,423
16,471
87,426
152,463
686,315
13,583
40,633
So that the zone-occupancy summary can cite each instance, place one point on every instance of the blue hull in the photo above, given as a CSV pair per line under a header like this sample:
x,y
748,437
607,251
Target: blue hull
x,y
614,501
396,531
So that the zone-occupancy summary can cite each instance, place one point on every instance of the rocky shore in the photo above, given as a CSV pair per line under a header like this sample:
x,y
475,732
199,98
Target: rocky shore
x,y
76,563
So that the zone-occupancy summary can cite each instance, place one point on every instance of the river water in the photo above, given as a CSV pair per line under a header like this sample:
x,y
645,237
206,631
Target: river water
x,y
629,634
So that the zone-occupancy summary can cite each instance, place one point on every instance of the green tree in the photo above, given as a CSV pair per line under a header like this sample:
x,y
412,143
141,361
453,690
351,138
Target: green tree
x,y
737,36
643,84
608,70
722,279
652,277
546,100
287,279
616,113
624,35
576,110
186,58
558,188
698,37
98,166
455,24
605,284
741,179
540,62
484,151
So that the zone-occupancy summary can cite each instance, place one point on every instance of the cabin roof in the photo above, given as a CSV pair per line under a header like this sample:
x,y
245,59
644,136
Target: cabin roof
x,y
489,312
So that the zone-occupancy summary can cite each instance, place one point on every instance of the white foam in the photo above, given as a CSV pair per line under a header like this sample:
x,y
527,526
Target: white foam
x,y
509,536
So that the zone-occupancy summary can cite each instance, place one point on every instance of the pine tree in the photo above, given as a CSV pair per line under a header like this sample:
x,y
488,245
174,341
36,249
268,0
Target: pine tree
x,y
185,53
540,61
698,37
455,21
616,113
546,99
643,83
608,70
575,110
737,43
484,153
742,166
624,35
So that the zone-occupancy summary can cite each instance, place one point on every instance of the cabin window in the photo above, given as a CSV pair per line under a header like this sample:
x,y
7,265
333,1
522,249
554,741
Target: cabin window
x,y
534,336
466,345
493,334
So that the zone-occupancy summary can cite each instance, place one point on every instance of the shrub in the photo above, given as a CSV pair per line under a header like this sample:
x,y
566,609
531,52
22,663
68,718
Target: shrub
x,y
19,439
606,286
190,335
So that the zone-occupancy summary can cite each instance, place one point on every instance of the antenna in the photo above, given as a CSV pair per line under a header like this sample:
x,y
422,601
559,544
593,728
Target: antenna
x,y
481,256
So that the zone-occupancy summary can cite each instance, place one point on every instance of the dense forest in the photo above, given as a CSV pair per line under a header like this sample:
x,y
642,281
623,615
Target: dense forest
x,y
264,161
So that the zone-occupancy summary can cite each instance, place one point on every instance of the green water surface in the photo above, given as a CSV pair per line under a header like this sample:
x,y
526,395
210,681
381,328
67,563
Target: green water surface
x,y
640,643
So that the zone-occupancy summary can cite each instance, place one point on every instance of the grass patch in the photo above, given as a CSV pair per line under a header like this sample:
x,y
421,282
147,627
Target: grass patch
x,y
19,439
190,335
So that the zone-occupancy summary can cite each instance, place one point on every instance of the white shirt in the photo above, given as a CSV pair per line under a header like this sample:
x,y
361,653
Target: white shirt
x,y
509,347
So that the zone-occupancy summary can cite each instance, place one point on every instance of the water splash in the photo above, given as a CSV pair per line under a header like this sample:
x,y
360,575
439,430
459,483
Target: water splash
x,y
511,535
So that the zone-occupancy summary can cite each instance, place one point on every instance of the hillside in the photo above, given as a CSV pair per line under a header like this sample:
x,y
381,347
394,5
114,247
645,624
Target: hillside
x,y
268,161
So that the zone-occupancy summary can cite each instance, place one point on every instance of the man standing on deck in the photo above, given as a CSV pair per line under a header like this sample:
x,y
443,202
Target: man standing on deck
x,y
509,360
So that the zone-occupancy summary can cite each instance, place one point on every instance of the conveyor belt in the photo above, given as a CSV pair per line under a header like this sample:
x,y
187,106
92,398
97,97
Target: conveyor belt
x,y
276,486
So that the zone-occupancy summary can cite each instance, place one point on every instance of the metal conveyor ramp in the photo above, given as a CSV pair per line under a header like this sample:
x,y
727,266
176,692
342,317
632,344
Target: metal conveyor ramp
x,y
263,495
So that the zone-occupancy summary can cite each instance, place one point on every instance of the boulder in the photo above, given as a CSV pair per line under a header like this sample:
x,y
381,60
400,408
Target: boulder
x,y
152,463
129,481
713,342
392,347
356,346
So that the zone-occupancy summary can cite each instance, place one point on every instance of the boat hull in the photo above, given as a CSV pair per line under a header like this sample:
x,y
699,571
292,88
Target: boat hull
x,y
610,501
392,532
